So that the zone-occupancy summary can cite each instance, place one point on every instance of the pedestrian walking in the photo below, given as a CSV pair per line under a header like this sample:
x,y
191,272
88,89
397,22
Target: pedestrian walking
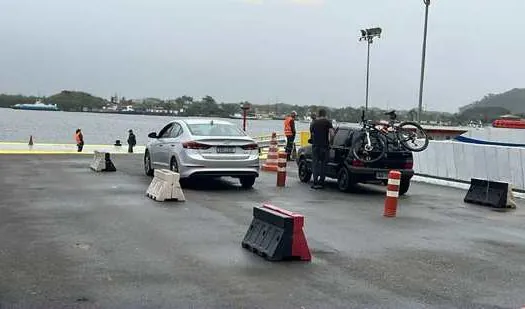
x,y
322,132
79,138
132,141
289,131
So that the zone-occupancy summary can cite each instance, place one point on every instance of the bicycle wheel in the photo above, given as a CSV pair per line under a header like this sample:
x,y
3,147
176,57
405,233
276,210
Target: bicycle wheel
x,y
412,136
369,152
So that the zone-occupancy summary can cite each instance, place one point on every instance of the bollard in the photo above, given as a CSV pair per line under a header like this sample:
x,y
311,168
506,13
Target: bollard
x,y
392,193
281,169
31,140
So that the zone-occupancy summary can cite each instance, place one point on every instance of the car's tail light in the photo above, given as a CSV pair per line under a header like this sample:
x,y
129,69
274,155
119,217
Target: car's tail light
x,y
195,145
357,163
408,165
250,147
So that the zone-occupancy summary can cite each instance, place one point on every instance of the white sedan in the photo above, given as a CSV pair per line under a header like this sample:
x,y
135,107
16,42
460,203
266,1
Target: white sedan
x,y
203,148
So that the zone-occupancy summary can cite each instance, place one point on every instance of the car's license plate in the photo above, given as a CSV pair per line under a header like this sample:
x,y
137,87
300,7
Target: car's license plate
x,y
222,149
381,175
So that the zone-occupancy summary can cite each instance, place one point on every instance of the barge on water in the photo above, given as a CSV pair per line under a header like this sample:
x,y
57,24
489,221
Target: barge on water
x,y
37,106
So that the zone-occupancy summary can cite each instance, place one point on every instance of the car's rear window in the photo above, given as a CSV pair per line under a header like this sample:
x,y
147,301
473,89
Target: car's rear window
x,y
214,129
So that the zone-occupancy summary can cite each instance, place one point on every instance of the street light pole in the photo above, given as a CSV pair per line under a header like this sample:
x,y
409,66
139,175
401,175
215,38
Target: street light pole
x,y
369,35
423,59
367,74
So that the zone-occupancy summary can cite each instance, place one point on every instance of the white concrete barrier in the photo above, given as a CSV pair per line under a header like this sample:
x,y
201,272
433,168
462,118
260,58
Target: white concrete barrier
x,y
99,161
102,162
463,161
165,186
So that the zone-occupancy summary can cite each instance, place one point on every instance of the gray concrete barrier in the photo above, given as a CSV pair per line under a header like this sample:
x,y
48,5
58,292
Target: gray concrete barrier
x,y
462,161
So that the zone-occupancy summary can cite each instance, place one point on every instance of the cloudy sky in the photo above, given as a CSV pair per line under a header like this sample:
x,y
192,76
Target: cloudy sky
x,y
295,51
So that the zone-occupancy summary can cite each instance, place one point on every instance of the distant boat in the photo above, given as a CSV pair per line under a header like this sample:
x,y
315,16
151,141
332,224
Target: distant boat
x,y
37,106
249,117
509,122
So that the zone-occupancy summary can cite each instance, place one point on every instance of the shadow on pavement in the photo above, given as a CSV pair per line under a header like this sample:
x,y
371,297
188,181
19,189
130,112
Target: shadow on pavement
x,y
361,189
213,184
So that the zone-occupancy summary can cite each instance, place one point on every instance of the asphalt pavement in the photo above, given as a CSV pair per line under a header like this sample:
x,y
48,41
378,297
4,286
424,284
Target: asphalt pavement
x,y
73,238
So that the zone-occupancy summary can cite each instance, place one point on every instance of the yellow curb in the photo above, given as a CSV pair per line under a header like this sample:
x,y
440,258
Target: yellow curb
x,y
51,144
41,152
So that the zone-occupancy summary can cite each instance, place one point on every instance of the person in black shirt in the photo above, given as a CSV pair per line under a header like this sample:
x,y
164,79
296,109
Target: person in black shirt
x,y
321,132
132,141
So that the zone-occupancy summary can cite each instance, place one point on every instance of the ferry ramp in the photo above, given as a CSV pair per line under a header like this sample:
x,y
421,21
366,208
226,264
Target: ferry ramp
x,y
70,237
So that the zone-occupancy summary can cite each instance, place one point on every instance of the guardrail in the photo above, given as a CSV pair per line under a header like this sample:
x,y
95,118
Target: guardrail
x,y
462,161
301,140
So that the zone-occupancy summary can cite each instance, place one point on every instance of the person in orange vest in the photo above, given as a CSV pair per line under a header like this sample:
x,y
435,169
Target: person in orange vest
x,y
289,131
79,138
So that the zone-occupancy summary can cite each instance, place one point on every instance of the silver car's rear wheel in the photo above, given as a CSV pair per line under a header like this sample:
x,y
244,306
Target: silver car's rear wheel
x,y
247,182
174,166
147,164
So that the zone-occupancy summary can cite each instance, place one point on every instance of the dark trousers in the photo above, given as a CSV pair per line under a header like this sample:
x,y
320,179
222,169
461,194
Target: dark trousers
x,y
319,158
80,146
130,148
290,140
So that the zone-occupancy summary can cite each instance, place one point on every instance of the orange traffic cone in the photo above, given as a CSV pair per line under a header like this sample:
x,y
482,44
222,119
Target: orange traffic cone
x,y
31,140
270,165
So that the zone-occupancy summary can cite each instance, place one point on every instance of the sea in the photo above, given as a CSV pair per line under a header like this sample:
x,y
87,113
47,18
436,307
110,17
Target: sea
x,y
59,127
98,128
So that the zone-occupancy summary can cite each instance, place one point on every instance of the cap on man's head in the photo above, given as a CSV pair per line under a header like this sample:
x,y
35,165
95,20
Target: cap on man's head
x,y
293,113
130,131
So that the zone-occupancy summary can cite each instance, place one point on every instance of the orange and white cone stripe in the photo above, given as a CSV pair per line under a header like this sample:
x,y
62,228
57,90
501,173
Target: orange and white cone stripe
x,y
270,164
281,169
392,193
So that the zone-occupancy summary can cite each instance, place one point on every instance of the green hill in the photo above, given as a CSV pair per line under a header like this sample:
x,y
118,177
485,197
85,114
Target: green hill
x,y
75,101
513,101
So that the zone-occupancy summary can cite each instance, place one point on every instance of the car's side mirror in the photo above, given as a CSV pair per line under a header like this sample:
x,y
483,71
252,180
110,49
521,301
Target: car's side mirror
x,y
152,135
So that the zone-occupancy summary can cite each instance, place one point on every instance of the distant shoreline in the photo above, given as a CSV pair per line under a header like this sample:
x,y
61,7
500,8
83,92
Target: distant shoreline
x,y
120,112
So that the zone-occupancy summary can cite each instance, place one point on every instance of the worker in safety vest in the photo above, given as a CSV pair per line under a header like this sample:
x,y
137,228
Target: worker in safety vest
x,y
79,138
289,131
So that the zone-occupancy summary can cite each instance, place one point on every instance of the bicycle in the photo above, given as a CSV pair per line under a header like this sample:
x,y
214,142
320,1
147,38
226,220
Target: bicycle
x,y
370,145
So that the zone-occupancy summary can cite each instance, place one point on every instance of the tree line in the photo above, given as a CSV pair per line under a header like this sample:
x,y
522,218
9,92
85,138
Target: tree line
x,y
76,101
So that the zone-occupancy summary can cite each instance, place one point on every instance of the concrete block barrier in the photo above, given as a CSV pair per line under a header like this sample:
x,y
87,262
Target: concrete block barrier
x,y
490,193
102,162
165,186
276,235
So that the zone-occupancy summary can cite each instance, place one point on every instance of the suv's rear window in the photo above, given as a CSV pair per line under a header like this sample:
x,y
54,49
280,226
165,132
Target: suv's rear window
x,y
341,137
214,129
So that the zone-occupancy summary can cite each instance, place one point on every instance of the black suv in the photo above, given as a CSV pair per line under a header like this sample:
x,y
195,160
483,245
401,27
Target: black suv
x,y
349,171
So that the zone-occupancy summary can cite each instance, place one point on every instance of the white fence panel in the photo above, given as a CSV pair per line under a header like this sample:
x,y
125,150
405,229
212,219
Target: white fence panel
x,y
463,161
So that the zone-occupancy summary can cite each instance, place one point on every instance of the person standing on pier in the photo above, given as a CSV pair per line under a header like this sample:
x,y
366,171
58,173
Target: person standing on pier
x,y
132,141
289,131
79,138
321,131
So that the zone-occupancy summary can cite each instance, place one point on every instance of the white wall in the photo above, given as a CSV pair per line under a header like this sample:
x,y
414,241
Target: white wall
x,y
463,161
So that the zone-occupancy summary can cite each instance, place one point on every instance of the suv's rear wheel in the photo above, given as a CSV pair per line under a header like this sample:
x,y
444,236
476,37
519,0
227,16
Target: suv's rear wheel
x,y
147,164
304,173
344,180
404,185
247,182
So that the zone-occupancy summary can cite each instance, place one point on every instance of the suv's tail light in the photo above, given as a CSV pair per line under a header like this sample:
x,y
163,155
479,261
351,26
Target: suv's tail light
x,y
250,147
408,165
357,163
195,145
